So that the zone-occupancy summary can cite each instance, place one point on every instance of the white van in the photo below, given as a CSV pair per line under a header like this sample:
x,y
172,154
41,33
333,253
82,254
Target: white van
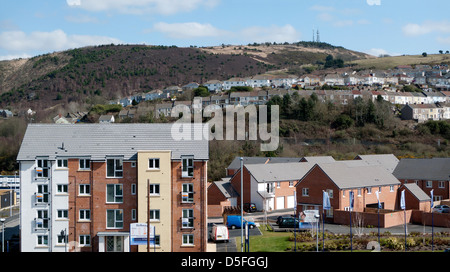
x,y
219,233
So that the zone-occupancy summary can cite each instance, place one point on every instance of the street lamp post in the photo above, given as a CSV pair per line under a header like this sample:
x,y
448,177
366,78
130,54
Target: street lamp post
x,y
2,220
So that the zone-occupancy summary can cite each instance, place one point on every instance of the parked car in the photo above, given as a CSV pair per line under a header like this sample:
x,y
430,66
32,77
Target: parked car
x,y
288,222
441,209
249,207
234,221
219,233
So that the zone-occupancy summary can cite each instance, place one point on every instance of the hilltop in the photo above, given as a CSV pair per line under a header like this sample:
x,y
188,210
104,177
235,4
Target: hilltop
x,y
384,63
90,75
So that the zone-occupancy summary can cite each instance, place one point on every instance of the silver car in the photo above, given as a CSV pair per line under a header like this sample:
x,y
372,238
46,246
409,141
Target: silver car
x,y
441,209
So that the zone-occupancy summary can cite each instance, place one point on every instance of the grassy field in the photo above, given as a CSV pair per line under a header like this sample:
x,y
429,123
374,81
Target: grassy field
x,y
271,241
392,62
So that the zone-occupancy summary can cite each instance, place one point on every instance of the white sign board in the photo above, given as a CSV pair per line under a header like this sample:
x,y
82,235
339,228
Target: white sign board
x,y
310,216
138,234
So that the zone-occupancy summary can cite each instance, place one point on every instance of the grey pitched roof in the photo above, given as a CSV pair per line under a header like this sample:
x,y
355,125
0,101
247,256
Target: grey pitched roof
x,y
279,171
225,187
318,159
388,161
100,140
423,169
417,192
357,174
236,163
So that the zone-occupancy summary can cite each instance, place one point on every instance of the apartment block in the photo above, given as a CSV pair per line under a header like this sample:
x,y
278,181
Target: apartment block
x,y
84,185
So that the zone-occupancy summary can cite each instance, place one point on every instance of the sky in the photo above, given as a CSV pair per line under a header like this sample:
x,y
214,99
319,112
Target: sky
x,y
395,27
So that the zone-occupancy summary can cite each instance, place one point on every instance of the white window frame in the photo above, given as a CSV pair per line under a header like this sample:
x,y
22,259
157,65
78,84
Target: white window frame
x,y
84,164
154,215
187,219
154,164
117,168
187,170
187,189
187,240
84,240
84,215
45,166
118,222
117,193
42,214
441,184
133,189
62,163
305,191
62,214
429,184
62,188
82,189
154,189
42,189
42,240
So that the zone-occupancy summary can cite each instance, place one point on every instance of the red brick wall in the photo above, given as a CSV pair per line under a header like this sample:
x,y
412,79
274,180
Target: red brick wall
x,y
199,206
96,202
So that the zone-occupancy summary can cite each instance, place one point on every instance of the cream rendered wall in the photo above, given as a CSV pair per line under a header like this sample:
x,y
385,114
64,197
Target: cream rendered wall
x,y
163,202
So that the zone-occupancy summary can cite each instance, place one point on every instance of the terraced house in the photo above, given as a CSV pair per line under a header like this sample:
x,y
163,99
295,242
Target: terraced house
x,y
84,185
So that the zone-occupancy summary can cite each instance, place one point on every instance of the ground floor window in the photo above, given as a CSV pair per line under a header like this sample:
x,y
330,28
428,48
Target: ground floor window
x,y
188,240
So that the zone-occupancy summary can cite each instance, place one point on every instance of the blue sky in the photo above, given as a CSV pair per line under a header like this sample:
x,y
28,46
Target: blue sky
x,y
29,27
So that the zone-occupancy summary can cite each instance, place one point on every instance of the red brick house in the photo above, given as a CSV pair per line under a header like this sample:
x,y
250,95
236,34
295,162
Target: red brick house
x,y
341,177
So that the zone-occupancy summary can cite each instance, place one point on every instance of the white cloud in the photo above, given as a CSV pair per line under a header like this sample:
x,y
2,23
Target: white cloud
x,y
425,28
444,40
73,2
188,30
19,41
379,51
165,7
257,34
373,2
273,33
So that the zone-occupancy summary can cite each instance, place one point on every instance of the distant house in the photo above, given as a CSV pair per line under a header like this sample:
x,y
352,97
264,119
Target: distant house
x,y
59,119
190,86
163,109
106,119
428,174
155,94
340,178
127,113
5,113
270,186
214,86
420,112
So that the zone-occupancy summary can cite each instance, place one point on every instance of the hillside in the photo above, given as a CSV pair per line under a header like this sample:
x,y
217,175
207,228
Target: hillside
x,y
392,62
92,75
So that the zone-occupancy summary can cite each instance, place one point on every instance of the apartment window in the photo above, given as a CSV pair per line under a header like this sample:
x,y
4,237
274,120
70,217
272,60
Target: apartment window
x,y
114,219
187,194
188,218
84,214
133,189
84,164
153,163
369,190
114,193
42,193
42,168
187,167
62,188
61,163
429,184
42,219
154,215
154,189
330,193
359,192
42,240
84,240
84,189
278,184
291,184
305,191
114,168
188,240
391,188
63,214
133,214
60,239
441,184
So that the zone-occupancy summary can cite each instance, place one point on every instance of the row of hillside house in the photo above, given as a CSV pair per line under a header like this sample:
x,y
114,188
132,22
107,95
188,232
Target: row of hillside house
x,y
6,113
336,96
259,81
286,183
425,112
91,187
70,118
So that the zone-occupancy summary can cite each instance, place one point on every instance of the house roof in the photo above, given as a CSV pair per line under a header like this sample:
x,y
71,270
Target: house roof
x,y
423,169
317,159
236,163
357,174
416,191
226,188
279,171
388,161
99,141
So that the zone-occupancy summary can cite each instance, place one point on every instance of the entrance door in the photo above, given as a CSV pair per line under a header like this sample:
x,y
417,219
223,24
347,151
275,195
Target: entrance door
x,y
114,243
